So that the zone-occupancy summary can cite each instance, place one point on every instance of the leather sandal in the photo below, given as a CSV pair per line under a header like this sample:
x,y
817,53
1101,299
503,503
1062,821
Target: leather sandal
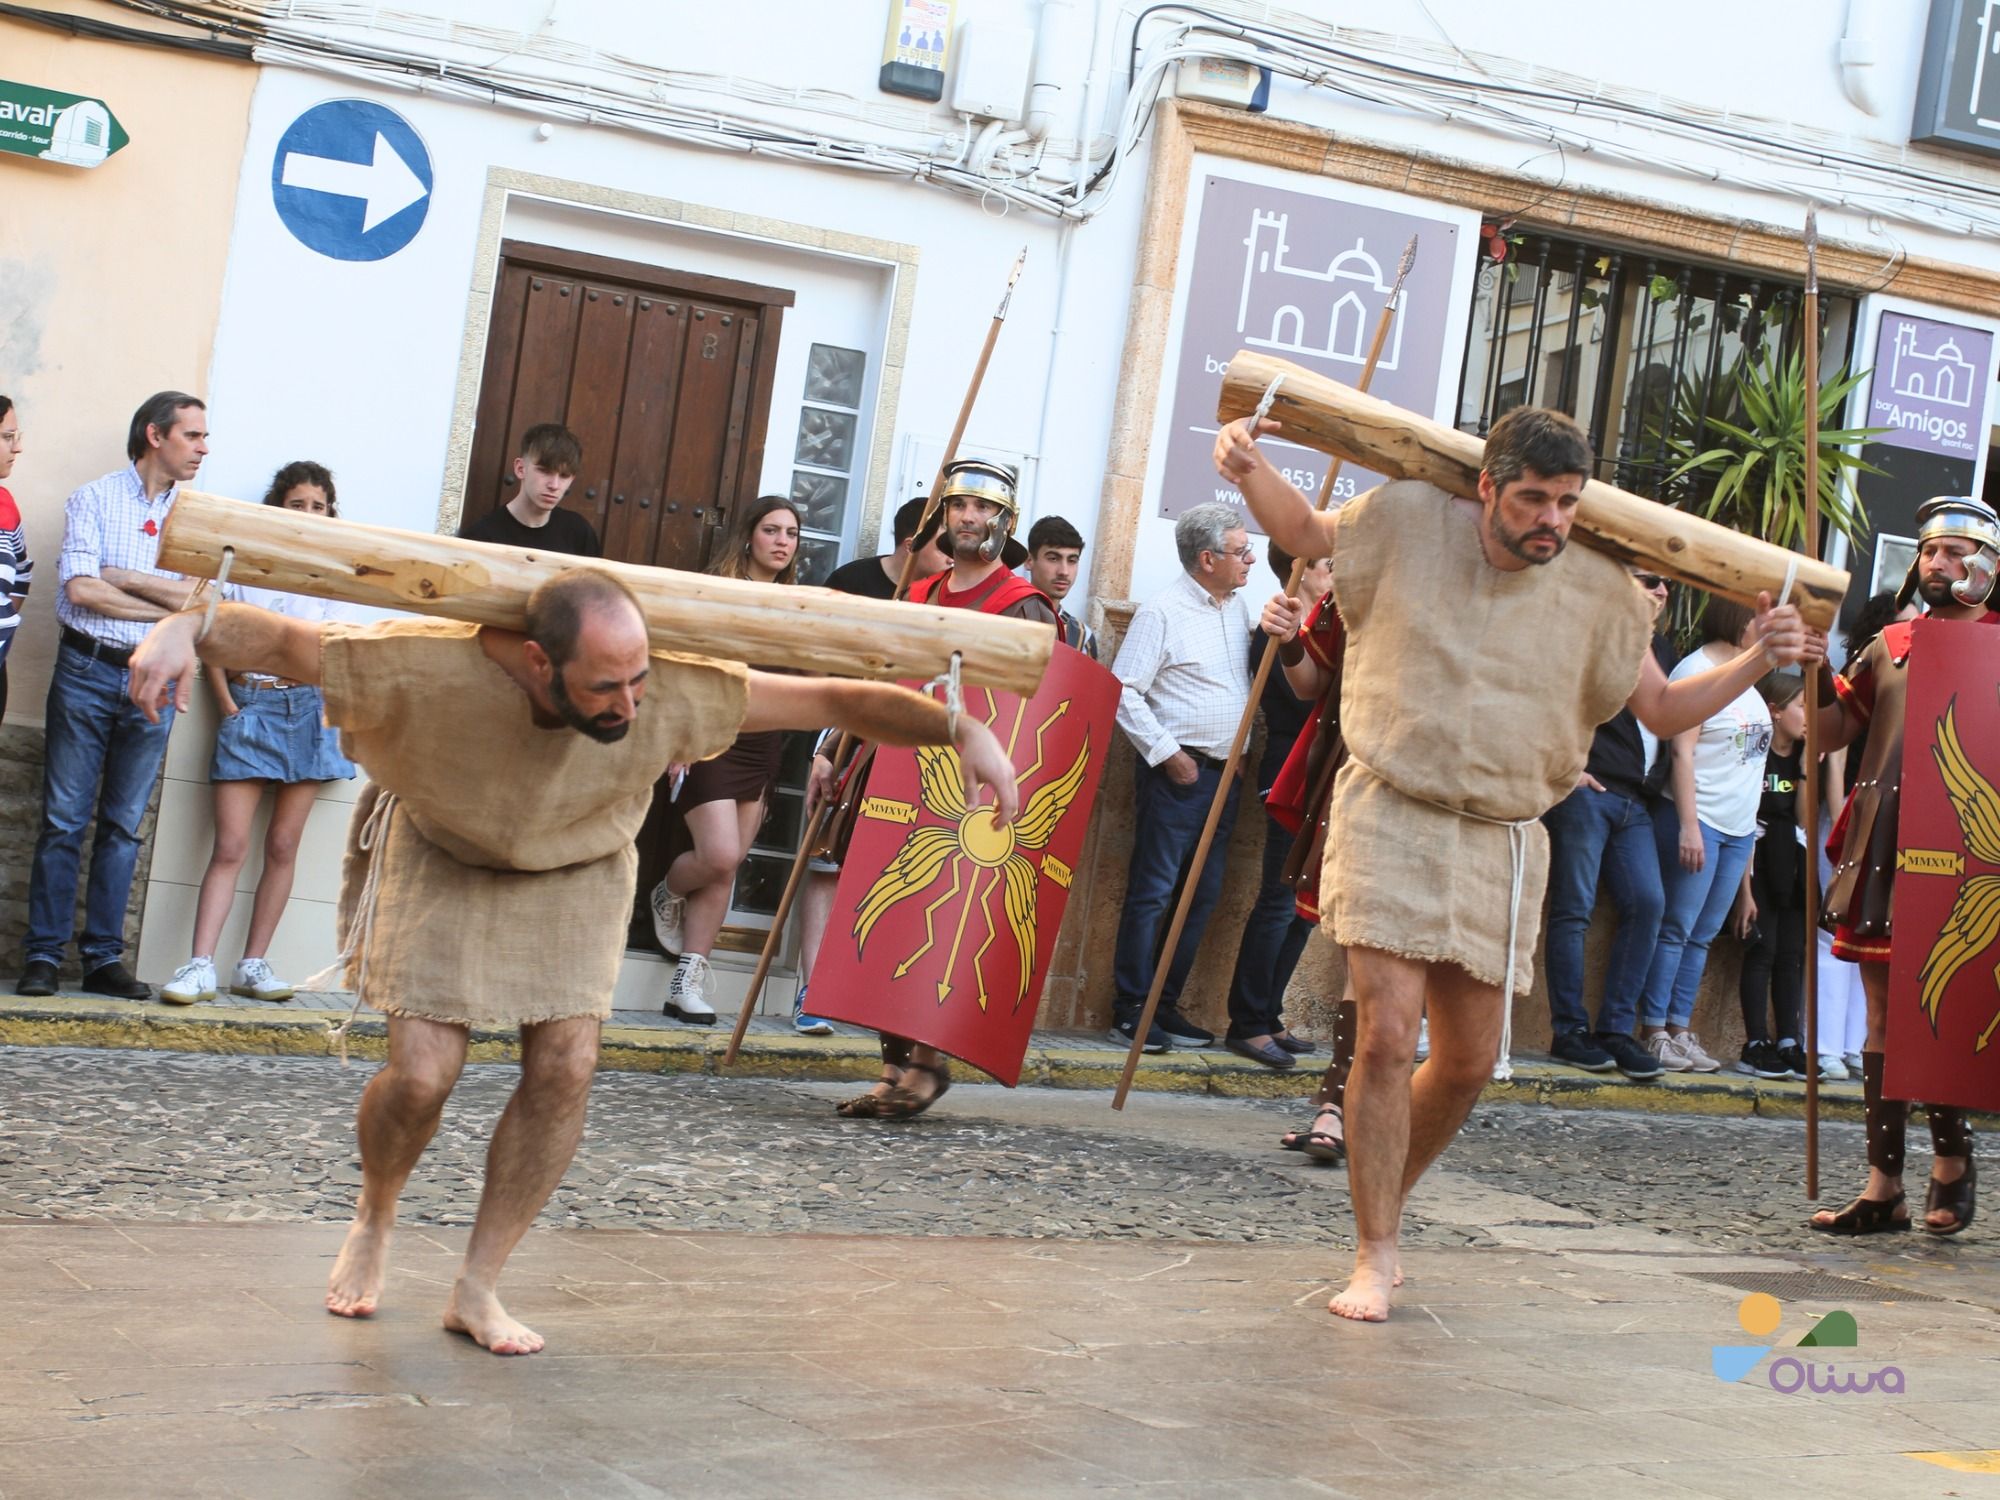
x,y
903,1103
1960,1199
1325,1145
1866,1216
866,1106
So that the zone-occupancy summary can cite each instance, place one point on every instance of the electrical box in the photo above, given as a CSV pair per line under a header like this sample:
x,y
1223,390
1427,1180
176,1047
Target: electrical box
x,y
914,52
1224,80
996,62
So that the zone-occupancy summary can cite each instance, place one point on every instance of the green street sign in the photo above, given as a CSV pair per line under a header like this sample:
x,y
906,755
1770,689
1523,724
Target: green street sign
x,y
66,128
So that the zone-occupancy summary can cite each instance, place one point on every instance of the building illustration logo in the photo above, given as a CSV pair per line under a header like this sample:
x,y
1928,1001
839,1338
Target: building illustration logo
x,y
1759,1315
1299,309
1940,374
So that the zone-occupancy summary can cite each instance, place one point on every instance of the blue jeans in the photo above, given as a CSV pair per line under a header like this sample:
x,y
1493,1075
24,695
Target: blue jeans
x,y
1698,903
1273,938
1168,826
101,758
1608,833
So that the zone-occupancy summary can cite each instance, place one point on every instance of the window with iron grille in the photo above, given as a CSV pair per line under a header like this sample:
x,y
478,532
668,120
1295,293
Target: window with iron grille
x,y
1641,349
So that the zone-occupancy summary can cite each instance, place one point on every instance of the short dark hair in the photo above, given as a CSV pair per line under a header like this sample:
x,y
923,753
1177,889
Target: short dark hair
x,y
558,607
910,515
157,410
1724,620
1053,531
1533,437
6,405
298,472
552,446
1279,558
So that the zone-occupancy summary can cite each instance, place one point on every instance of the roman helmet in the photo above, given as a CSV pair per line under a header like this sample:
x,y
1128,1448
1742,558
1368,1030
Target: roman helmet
x,y
995,483
1960,516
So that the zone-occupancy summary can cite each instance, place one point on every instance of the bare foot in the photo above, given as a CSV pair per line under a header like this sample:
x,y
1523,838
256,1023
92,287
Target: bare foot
x,y
355,1288
477,1313
1366,1299
1399,1275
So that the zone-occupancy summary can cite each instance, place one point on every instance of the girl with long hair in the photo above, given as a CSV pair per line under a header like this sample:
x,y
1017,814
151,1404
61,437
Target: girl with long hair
x,y
721,802
274,733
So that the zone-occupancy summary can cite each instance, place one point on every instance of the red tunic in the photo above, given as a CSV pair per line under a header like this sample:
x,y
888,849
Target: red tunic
x,y
1292,801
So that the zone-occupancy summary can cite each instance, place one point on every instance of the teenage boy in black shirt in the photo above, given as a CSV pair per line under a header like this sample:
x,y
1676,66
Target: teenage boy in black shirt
x,y
548,464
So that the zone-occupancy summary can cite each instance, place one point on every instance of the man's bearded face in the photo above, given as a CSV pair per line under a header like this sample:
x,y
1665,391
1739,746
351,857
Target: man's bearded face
x,y
1940,564
605,728
1531,517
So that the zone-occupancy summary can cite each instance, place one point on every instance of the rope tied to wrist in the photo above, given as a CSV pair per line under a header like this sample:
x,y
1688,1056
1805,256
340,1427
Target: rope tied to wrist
x,y
954,696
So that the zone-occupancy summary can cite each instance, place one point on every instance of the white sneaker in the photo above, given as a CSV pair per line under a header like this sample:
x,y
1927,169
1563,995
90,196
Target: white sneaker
x,y
255,980
1853,1061
1667,1048
1698,1061
686,998
669,911
1831,1068
1423,1038
192,981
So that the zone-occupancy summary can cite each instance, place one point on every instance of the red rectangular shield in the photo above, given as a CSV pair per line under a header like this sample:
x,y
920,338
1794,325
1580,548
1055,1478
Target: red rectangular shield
x,y
1944,955
943,924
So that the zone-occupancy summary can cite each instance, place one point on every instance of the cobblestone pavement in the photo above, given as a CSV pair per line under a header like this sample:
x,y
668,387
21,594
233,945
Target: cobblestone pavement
x,y
170,1136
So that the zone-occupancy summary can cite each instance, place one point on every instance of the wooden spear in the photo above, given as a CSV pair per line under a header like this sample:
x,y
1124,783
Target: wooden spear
x,y
1810,333
1225,784
813,630
816,825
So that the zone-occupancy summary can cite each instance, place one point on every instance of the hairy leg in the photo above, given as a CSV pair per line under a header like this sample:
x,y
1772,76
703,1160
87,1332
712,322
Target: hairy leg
x,y
1389,996
532,1147
1465,1038
399,1113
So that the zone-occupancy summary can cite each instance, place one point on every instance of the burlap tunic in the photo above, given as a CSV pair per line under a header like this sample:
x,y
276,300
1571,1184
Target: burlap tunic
x,y
1468,699
503,871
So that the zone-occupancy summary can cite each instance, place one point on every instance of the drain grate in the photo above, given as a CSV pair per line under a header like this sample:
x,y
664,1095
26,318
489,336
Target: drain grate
x,y
1811,1286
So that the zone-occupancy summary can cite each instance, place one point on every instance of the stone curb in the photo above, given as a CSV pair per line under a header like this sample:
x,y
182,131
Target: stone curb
x,y
74,1021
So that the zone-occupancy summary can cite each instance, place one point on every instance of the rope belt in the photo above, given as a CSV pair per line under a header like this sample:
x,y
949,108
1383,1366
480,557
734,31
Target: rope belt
x,y
361,932
1517,859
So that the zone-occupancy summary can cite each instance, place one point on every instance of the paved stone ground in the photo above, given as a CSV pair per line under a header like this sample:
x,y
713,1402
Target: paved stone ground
x,y
1021,1294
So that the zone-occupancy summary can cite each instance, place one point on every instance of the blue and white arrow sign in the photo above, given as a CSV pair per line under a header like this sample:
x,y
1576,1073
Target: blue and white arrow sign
x,y
352,180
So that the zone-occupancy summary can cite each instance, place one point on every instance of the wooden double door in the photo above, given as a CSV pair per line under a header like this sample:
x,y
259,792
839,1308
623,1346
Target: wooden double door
x,y
665,377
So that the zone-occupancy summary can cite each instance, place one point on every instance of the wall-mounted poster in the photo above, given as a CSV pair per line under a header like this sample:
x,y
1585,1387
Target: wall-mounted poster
x,y
1303,276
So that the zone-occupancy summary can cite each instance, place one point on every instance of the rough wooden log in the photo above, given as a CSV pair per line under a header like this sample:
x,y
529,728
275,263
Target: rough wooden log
x,y
1331,417
813,630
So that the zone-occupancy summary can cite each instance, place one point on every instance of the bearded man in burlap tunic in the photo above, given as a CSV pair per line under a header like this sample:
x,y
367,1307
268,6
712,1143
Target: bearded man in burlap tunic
x,y
1482,654
490,867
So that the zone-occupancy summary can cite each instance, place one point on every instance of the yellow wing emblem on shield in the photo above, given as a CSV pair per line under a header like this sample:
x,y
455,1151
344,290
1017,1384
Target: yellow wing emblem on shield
x,y
972,848
1974,922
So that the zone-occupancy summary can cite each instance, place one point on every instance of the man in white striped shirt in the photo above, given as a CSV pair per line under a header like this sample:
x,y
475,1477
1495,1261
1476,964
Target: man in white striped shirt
x,y
1185,665
102,755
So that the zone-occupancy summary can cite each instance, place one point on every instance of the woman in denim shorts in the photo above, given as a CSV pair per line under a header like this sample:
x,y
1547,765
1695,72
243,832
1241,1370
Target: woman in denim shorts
x,y
272,732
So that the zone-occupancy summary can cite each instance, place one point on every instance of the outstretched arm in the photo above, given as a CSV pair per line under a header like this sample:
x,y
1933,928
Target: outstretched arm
x,y
888,715
1281,508
1779,638
243,639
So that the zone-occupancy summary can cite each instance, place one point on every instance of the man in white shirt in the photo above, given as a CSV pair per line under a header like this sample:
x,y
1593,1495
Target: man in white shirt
x,y
1185,664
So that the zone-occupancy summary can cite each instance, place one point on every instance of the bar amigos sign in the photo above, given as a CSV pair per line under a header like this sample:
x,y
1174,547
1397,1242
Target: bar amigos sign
x,y
66,128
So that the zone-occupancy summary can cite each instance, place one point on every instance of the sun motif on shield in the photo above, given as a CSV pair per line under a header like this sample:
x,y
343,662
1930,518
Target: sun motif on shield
x,y
973,858
1974,922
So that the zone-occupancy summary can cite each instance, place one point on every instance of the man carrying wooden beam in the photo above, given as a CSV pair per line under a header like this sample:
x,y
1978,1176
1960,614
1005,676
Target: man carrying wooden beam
x,y
1482,653
490,870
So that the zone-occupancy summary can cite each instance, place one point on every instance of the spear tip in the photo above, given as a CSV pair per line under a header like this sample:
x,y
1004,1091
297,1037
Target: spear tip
x,y
1812,248
1409,259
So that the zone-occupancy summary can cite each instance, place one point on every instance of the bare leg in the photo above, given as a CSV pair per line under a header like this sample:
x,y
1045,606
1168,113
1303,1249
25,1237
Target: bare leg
x,y
815,908
723,831
1465,1038
235,810
289,812
532,1146
1389,993
399,1113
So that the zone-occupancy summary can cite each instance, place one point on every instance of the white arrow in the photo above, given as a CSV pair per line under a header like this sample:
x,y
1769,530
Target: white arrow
x,y
386,183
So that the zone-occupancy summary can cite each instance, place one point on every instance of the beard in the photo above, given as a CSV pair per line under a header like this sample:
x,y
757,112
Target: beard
x,y
606,729
1935,590
1516,542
